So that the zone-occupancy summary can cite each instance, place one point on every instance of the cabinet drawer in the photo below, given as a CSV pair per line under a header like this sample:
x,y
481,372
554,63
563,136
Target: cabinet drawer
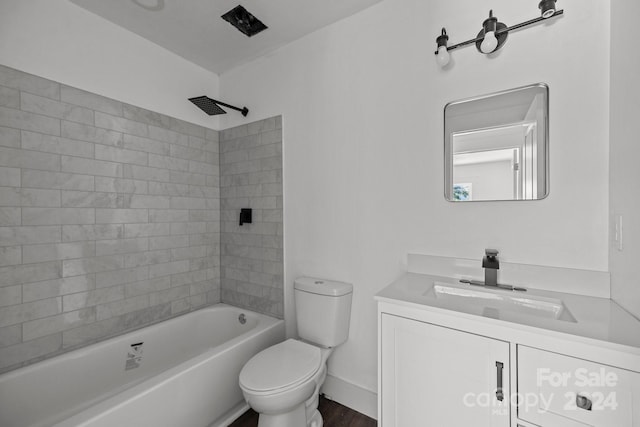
x,y
558,390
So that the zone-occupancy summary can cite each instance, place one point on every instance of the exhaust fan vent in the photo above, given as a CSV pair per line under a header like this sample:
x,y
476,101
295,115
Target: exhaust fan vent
x,y
244,21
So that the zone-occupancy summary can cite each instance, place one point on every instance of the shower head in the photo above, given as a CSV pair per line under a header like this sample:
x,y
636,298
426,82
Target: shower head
x,y
212,107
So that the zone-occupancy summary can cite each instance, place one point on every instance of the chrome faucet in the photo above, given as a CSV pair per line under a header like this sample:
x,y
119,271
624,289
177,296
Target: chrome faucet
x,y
491,265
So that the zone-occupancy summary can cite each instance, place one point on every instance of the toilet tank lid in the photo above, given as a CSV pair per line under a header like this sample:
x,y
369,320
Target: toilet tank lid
x,y
323,287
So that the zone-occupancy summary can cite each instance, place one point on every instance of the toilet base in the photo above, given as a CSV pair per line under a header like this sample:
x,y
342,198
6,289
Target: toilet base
x,y
297,417
316,420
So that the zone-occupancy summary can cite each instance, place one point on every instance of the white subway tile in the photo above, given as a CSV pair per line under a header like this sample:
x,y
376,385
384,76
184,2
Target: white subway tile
x,y
121,155
29,83
10,216
146,230
121,246
57,251
56,180
29,235
12,196
9,177
9,97
28,273
72,233
168,268
90,167
51,216
146,173
10,295
57,287
81,300
118,308
120,124
90,100
120,277
145,144
15,158
14,314
121,185
120,216
147,258
78,267
56,144
18,353
168,215
58,323
28,121
60,110
91,134
90,199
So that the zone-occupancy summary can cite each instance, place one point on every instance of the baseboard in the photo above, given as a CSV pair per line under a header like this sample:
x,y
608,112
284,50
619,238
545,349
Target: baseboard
x,y
351,395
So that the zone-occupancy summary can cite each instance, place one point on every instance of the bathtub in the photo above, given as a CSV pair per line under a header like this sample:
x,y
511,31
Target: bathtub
x,y
179,373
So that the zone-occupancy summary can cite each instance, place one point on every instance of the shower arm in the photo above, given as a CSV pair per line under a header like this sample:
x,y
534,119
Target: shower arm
x,y
243,110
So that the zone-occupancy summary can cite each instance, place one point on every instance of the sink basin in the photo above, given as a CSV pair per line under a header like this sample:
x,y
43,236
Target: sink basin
x,y
499,304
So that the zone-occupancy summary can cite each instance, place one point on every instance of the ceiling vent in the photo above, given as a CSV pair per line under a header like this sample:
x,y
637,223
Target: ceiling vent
x,y
244,21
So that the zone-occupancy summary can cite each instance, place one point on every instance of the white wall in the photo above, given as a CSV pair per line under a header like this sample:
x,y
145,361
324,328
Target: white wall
x,y
625,151
362,104
60,41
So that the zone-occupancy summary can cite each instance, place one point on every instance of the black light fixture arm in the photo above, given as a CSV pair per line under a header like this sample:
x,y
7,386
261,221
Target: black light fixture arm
x,y
504,30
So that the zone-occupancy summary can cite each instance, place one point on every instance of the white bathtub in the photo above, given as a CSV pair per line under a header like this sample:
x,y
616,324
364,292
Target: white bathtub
x,y
186,375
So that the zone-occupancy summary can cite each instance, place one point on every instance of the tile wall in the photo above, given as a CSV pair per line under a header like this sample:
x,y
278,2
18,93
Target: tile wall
x,y
251,254
110,218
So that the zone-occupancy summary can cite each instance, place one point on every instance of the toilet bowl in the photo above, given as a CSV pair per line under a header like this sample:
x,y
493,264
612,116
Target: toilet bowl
x,y
282,383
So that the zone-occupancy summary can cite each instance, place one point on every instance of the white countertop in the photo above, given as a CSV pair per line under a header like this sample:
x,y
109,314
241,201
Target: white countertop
x,y
598,320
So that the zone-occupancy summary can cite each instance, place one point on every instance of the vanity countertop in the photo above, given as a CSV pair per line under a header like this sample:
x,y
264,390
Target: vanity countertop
x,y
598,321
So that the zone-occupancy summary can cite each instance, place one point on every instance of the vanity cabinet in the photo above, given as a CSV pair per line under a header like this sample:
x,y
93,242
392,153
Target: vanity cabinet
x,y
436,376
443,368
558,390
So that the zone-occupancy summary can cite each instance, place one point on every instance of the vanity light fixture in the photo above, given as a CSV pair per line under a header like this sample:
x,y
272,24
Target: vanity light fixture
x,y
442,55
493,34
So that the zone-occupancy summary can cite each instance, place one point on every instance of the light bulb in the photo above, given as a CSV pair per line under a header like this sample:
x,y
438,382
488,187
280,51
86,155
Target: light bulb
x,y
443,56
490,42
548,13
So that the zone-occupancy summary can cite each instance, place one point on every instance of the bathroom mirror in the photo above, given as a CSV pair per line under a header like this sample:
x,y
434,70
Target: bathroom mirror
x,y
496,146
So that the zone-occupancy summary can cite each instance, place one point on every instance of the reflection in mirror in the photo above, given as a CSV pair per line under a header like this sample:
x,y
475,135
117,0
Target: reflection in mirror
x,y
496,146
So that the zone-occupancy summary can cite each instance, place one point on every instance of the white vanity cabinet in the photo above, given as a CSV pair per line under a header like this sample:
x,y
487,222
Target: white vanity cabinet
x,y
436,376
441,364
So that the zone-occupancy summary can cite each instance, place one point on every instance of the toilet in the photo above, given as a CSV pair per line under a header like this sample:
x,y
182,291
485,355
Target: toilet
x,y
282,382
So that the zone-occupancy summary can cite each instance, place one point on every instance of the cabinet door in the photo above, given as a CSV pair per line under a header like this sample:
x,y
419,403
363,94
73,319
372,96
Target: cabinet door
x,y
433,376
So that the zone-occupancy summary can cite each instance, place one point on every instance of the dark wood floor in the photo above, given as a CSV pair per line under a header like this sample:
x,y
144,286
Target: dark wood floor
x,y
333,413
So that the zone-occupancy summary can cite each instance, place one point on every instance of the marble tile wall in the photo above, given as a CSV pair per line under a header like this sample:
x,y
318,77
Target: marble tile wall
x,y
251,254
109,218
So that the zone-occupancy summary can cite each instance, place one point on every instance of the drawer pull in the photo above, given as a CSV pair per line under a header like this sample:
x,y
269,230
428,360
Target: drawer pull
x,y
499,392
583,402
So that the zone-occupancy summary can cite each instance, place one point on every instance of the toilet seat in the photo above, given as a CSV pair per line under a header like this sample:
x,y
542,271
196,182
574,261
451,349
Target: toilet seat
x,y
280,367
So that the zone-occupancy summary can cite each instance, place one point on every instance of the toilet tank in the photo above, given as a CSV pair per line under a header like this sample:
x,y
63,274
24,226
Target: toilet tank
x,y
323,310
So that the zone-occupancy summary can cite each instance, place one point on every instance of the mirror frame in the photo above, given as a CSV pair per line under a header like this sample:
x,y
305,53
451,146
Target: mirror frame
x,y
448,154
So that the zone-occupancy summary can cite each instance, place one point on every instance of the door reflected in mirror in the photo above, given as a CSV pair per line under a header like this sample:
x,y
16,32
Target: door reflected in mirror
x,y
496,146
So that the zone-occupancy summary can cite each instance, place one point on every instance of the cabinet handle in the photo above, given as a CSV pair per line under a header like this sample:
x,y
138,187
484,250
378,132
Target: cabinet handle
x,y
583,402
499,392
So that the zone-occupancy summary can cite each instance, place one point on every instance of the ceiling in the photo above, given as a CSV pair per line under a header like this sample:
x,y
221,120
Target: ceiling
x,y
194,30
